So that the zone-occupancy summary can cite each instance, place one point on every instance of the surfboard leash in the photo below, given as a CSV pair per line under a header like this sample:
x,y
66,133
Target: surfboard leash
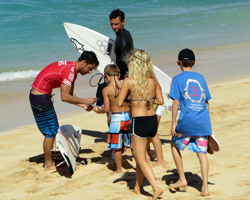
x,y
60,164
57,157
78,159
97,82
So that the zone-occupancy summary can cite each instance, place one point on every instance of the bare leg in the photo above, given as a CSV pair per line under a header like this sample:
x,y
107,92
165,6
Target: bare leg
x,y
158,150
204,173
149,155
47,146
182,182
139,179
139,153
118,160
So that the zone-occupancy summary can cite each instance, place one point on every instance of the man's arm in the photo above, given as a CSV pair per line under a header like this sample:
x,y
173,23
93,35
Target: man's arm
x,y
125,43
68,96
207,104
106,102
158,95
175,107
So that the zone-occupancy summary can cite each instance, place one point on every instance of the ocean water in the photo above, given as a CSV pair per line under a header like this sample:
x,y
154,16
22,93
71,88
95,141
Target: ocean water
x,y
32,36
32,33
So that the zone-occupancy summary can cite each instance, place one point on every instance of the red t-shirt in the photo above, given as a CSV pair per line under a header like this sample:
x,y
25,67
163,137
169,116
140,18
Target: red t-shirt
x,y
54,75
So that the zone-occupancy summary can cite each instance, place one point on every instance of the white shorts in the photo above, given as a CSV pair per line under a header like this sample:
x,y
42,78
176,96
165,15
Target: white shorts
x,y
159,109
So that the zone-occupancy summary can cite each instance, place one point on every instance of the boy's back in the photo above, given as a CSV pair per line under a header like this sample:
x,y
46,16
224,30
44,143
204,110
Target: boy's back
x,y
111,93
191,90
119,120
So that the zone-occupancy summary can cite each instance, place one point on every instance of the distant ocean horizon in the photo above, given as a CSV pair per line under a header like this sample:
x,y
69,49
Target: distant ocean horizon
x,y
32,33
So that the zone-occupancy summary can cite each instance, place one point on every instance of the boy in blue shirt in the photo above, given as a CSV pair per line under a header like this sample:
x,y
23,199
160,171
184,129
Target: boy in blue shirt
x,y
189,91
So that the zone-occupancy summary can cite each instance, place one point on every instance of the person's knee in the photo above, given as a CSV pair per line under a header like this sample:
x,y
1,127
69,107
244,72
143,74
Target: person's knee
x,y
172,145
117,150
202,157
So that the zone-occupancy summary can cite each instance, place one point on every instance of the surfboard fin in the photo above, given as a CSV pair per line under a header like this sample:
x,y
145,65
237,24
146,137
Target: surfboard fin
x,y
54,149
61,163
76,134
83,161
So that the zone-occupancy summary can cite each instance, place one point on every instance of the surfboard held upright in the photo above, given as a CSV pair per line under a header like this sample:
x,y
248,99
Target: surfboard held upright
x,y
104,47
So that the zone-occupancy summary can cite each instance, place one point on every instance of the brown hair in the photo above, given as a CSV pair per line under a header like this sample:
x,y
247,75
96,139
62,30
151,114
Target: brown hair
x,y
112,70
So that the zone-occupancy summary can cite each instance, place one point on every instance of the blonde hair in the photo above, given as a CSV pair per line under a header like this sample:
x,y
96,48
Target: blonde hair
x,y
112,70
140,69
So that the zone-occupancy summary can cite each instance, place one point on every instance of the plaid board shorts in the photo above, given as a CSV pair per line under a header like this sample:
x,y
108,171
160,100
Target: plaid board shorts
x,y
119,131
197,144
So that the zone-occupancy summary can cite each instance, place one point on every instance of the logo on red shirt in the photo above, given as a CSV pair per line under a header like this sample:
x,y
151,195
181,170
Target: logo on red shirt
x,y
66,82
60,63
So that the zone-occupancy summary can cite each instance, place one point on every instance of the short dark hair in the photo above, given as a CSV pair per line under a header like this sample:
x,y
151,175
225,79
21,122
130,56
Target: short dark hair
x,y
90,58
188,63
117,13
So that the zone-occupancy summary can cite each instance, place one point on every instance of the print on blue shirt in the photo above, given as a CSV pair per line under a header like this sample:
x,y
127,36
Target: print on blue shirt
x,y
191,90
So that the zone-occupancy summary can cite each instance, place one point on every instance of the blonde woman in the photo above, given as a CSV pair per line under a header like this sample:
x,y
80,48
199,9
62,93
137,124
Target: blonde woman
x,y
144,91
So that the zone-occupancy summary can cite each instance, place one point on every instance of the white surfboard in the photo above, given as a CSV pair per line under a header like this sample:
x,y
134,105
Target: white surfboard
x,y
68,140
213,144
86,39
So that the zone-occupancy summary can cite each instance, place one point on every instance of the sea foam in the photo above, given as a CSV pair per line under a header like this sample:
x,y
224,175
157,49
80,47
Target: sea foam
x,y
8,76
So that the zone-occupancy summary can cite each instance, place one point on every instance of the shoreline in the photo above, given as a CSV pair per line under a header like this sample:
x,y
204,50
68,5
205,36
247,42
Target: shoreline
x,y
215,66
76,111
22,175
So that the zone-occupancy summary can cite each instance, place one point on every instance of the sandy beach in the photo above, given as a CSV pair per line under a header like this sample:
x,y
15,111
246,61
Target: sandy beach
x,y
21,167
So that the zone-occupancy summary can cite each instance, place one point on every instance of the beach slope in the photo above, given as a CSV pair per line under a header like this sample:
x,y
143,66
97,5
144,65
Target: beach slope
x,y
22,175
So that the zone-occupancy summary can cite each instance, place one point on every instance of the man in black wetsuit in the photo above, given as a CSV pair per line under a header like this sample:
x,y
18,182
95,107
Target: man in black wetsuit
x,y
124,42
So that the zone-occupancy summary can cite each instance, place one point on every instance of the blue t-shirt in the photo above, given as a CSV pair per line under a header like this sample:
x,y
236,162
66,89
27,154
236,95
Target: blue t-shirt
x,y
191,90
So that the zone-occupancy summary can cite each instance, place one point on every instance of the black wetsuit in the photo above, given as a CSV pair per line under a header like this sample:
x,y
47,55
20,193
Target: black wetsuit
x,y
123,44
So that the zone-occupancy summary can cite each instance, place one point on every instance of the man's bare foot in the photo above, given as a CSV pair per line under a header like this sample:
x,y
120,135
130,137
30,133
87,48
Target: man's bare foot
x,y
157,192
50,167
179,185
159,164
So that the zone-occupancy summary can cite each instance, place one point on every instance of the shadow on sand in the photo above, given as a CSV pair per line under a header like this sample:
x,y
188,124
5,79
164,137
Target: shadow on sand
x,y
193,180
104,158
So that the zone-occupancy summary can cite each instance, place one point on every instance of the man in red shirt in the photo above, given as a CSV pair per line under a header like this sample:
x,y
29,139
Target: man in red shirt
x,y
58,74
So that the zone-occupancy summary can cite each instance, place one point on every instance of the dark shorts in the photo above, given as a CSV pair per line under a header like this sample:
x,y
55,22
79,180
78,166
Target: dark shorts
x,y
44,113
144,126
